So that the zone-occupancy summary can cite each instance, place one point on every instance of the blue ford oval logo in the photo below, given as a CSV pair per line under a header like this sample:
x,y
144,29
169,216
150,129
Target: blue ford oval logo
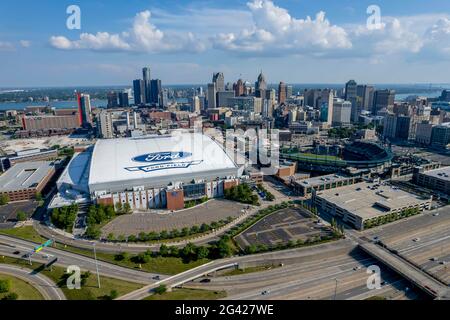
x,y
162,156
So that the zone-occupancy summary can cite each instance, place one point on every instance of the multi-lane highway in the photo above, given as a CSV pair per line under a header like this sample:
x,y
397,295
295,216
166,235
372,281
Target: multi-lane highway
x,y
44,285
8,246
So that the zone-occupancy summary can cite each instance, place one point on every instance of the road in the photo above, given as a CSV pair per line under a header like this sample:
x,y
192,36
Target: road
x,y
275,258
315,279
44,285
9,245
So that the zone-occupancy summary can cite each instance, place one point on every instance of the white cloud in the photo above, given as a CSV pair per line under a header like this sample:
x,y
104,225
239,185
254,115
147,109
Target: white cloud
x,y
142,37
276,31
393,37
6,46
438,38
25,43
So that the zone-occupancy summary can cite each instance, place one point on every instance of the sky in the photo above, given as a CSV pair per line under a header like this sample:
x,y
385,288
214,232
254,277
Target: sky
x,y
184,42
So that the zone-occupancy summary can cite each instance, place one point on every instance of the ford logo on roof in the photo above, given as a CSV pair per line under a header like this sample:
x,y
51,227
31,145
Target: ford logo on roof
x,y
162,157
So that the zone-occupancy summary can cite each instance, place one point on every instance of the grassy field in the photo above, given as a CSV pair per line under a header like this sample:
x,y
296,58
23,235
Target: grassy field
x,y
237,272
26,233
316,156
89,291
161,265
188,294
23,289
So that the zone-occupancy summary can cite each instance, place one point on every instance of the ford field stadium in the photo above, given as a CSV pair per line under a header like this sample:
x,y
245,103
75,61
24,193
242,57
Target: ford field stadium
x,y
150,172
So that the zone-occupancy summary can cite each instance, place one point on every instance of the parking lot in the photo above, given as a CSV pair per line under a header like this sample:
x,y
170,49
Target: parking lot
x,y
8,213
281,227
213,210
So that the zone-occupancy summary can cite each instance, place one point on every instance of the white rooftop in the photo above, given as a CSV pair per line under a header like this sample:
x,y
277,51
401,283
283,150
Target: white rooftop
x,y
368,200
441,173
180,155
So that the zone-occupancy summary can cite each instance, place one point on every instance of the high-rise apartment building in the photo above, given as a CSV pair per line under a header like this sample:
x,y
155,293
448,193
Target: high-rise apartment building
x,y
261,86
112,99
239,88
156,92
84,109
123,99
105,125
211,96
282,93
139,92
341,112
383,99
146,76
219,81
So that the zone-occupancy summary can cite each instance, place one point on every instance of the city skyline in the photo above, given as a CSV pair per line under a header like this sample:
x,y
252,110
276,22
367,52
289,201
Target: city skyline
x,y
186,42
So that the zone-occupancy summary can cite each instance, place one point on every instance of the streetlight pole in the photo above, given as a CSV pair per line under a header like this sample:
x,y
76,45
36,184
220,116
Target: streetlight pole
x,y
335,288
96,266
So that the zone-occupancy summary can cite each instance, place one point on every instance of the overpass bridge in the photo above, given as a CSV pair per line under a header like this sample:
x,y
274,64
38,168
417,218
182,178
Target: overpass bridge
x,y
410,272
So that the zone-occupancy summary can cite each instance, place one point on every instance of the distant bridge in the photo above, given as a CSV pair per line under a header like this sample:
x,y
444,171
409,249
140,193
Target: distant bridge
x,y
422,280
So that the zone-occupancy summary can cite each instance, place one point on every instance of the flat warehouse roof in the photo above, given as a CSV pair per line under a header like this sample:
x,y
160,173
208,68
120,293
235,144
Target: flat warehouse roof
x,y
441,173
316,181
368,200
156,158
25,175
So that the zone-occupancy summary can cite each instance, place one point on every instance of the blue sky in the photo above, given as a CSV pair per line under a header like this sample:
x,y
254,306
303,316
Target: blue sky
x,y
185,41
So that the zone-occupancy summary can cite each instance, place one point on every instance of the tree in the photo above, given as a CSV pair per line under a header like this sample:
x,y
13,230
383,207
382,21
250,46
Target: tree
x,y
84,277
161,289
113,294
202,252
224,249
21,216
174,251
111,237
121,256
5,286
93,232
163,250
127,208
189,252
142,237
4,199
119,207
38,196
11,296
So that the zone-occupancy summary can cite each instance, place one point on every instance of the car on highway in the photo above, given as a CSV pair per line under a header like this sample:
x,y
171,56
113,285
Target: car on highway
x,y
416,239
265,292
443,262
156,278
434,259
16,252
205,281
436,214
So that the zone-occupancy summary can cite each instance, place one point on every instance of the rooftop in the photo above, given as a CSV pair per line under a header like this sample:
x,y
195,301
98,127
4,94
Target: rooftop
x,y
156,158
25,175
316,181
369,200
441,173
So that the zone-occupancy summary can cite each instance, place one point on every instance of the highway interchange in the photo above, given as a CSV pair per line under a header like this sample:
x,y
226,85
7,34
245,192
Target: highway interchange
x,y
334,270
